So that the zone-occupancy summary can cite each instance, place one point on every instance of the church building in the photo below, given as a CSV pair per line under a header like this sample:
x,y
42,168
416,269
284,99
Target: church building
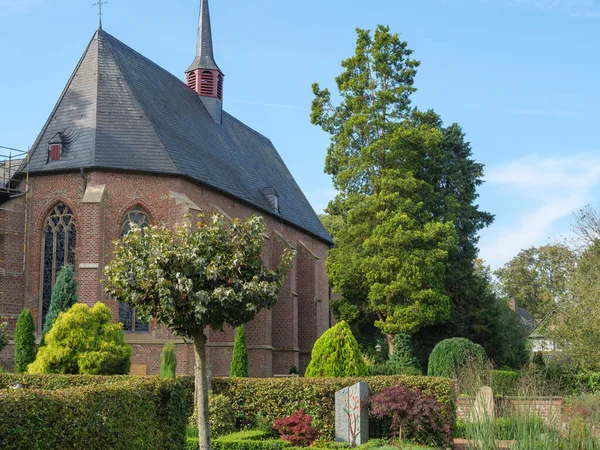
x,y
128,142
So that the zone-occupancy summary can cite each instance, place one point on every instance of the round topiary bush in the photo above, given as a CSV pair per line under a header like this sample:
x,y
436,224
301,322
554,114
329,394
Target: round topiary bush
x,y
336,354
451,355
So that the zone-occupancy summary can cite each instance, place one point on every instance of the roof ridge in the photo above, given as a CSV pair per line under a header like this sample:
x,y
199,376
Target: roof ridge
x,y
135,96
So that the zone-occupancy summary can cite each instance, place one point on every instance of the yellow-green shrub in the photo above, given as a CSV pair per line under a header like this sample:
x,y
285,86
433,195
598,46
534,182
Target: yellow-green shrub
x,y
84,341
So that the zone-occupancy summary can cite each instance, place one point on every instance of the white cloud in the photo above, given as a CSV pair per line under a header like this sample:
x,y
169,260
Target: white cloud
x,y
553,187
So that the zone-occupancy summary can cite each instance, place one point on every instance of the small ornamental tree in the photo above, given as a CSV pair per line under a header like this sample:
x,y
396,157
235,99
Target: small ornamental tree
x,y
84,341
64,295
451,355
239,362
168,363
24,341
190,279
413,415
336,354
297,429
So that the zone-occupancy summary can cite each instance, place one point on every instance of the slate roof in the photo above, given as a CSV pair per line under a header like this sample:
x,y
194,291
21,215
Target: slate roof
x,y
528,321
122,111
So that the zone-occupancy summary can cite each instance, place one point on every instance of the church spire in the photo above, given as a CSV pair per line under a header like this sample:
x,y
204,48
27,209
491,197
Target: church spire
x,y
203,75
205,58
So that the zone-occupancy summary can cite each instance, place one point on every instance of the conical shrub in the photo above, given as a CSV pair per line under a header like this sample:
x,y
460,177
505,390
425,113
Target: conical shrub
x,y
239,362
168,363
336,354
64,295
24,341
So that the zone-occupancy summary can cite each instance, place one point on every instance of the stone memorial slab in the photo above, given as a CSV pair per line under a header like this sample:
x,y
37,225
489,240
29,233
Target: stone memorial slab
x,y
483,409
352,414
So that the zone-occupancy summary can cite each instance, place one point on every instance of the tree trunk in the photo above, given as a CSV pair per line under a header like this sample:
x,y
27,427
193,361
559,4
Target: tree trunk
x,y
390,343
201,374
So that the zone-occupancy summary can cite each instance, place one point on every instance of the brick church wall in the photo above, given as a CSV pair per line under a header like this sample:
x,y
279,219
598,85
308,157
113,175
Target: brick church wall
x,y
277,339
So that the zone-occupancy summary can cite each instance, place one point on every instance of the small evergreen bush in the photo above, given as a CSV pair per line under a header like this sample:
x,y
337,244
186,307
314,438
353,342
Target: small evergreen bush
x,y
336,354
239,362
64,295
504,382
84,341
221,416
24,341
168,363
296,429
3,334
451,355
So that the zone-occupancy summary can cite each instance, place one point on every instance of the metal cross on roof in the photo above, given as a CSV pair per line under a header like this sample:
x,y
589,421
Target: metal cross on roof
x,y
99,4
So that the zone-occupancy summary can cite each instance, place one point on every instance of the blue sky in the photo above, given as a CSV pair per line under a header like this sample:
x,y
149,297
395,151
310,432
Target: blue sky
x,y
520,77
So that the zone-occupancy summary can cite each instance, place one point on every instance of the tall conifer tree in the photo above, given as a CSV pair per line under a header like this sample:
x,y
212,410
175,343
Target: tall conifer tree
x,y
24,341
239,362
64,295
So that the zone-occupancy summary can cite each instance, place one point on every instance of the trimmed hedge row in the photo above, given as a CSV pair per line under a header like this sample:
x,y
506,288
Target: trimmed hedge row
x,y
243,440
504,382
280,397
75,412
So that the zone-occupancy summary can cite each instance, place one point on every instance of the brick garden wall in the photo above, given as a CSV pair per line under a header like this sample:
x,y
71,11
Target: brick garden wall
x,y
548,408
277,339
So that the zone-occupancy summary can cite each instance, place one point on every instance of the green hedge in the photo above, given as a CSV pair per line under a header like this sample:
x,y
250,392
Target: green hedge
x,y
280,397
75,412
504,382
243,440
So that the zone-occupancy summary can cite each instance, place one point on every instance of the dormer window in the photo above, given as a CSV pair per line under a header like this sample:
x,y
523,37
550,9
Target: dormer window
x,y
55,147
272,197
54,152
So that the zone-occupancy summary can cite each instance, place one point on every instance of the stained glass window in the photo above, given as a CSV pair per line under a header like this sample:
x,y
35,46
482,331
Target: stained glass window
x,y
59,237
127,315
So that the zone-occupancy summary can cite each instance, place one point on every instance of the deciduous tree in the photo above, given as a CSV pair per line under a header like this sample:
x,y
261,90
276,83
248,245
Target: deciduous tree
x,y
538,277
193,278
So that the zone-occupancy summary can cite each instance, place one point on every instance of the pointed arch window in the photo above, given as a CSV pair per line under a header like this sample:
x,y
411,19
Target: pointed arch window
x,y
59,234
127,315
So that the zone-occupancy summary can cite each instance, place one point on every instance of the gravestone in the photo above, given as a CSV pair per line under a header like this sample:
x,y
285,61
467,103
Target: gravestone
x,y
483,409
352,414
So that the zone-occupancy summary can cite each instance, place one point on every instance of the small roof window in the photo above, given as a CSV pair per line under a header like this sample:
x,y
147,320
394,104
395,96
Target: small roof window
x,y
55,147
272,197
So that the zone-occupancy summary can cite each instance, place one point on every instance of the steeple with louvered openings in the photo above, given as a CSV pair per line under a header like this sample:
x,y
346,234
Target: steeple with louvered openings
x,y
204,76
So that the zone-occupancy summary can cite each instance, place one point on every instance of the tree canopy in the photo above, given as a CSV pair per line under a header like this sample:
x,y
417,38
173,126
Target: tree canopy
x,y
191,278
538,277
407,187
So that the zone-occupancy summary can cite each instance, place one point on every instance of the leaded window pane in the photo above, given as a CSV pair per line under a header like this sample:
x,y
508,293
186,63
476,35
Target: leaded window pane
x,y
127,315
59,248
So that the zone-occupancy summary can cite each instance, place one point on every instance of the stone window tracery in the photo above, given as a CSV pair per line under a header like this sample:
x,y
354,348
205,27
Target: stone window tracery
x,y
127,314
59,235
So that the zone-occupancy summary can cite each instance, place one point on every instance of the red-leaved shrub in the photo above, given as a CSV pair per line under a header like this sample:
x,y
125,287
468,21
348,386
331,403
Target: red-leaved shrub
x,y
296,429
413,415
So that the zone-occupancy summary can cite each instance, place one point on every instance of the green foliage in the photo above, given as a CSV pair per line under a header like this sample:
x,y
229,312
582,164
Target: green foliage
x,y
96,413
64,295
538,277
168,363
451,355
402,356
84,341
239,362
24,341
190,278
244,440
504,382
3,333
336,354
280,397
222,417
392,369
576,324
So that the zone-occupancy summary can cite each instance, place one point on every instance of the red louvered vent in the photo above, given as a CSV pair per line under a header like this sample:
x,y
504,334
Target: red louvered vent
x,y
191,80
220,86
207,83
55,151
